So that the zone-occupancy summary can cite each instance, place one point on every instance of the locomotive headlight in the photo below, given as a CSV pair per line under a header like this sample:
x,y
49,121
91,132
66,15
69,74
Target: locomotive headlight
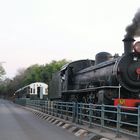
x,y
137,47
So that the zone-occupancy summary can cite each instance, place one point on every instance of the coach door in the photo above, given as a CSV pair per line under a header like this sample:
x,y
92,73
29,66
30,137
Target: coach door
x,y
40,92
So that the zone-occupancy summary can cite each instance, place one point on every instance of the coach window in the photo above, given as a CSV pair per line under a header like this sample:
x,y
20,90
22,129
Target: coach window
x,y
34,90
38,91
31,90
46,90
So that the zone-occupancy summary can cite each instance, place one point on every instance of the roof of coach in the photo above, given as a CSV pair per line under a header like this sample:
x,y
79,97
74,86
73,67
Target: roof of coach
x,y
38,83
78,61
22,88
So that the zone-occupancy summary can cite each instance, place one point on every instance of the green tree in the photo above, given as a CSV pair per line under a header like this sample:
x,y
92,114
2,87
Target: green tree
x,y
2,86
2,71
51,68
34,73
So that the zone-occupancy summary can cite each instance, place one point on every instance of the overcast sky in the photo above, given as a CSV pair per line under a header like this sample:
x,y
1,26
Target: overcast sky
x,y
38,31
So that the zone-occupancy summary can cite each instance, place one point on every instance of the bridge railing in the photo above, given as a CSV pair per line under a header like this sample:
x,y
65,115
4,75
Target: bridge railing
x,y
114,118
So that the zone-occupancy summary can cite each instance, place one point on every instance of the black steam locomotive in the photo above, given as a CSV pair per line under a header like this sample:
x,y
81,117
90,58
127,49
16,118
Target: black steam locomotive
x,y
108,80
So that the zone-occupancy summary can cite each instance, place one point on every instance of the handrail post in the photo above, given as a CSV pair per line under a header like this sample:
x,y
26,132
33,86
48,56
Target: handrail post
x,y
41,106
34,105
138,129
77,113
49,107
90,115
45,107
57,109
37,105
53,108
102,117
81,107
73,112
61,110
119,91
40,109
67,105
118,121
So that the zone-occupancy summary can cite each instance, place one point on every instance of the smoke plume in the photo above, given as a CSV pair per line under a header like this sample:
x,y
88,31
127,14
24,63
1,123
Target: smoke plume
x,y
133,30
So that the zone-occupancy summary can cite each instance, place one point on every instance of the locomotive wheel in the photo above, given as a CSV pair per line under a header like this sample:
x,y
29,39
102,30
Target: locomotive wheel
x,y
110,94
106,96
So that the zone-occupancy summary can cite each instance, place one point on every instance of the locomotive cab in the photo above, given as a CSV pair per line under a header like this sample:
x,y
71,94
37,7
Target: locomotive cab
x,y
63,81
68,72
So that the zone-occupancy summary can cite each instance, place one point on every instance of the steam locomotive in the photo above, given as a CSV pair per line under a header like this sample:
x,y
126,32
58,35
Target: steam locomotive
x,y
108,79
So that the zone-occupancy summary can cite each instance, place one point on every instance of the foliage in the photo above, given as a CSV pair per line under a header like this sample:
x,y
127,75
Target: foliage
x,y
42,73
2,71
34,73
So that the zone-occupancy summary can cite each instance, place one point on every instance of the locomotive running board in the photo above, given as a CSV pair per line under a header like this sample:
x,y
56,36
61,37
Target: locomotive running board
x,y
91,89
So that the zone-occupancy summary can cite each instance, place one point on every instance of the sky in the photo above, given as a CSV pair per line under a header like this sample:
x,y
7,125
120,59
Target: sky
x,y
39,31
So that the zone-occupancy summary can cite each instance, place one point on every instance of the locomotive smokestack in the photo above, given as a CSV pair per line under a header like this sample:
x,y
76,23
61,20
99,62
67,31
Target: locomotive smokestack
x,y
128,42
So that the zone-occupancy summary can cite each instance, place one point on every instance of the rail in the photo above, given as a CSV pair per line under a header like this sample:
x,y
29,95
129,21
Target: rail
x,y
103,116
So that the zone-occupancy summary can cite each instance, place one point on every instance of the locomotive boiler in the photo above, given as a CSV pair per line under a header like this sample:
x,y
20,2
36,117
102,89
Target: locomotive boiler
x,y
106,80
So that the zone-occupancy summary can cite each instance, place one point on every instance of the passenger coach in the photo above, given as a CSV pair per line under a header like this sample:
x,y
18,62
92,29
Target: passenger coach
x,y
36,90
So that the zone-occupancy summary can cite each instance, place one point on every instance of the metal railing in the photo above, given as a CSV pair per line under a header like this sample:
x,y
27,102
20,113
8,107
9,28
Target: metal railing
x,y
114,118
